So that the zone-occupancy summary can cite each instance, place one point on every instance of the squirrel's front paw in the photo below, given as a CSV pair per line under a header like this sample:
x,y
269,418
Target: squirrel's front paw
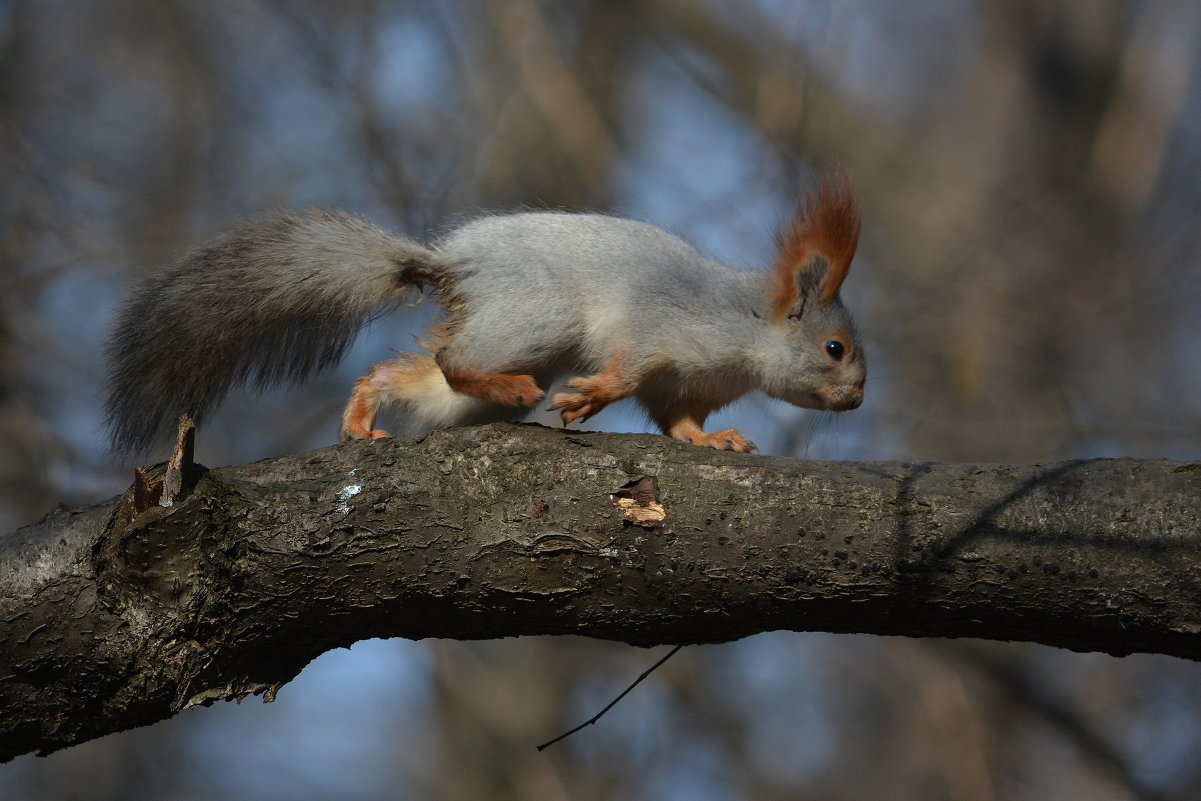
x,y
573,406
728,440
353,432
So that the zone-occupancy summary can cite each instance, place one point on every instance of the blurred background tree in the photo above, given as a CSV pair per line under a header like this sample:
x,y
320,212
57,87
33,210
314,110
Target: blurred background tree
x,y
1028,287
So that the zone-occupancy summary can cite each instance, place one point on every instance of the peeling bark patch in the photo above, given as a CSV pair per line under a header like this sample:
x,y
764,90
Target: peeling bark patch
x,y
180,476
344,496
639,503
143,490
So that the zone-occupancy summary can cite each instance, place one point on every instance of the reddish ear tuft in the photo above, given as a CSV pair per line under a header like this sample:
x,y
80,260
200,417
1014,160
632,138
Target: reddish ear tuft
x,y
827,225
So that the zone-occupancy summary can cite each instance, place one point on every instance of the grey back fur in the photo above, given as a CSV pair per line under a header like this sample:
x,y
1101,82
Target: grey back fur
x,y
576,288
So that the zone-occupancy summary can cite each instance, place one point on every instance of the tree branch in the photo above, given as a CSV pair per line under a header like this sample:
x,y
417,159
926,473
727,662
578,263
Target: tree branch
x,y
113,620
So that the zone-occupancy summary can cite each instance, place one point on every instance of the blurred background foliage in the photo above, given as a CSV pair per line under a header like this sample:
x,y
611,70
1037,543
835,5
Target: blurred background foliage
x,y
1027,285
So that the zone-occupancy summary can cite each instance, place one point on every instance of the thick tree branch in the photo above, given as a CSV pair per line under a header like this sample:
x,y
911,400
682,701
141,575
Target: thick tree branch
x,y
506,530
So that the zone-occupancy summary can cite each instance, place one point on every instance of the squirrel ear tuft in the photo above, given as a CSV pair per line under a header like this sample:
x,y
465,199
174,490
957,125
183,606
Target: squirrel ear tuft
x,y
814,250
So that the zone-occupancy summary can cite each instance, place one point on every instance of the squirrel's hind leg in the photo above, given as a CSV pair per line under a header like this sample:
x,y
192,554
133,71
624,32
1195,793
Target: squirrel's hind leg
x,y
415,383
370,393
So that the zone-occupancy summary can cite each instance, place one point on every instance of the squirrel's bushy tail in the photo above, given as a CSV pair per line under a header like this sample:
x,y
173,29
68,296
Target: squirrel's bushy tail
x,y
271,302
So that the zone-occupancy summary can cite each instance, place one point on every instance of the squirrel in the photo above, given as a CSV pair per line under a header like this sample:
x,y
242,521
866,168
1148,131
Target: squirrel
x,y
629,309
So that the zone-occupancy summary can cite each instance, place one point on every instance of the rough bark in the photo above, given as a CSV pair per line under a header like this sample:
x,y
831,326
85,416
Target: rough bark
x,y
498,531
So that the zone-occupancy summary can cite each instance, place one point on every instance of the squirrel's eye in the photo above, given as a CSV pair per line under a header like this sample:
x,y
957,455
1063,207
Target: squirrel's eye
x,y
836,349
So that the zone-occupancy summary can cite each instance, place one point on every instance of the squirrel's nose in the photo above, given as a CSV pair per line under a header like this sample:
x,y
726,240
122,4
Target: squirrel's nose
x,y
857,395
845,398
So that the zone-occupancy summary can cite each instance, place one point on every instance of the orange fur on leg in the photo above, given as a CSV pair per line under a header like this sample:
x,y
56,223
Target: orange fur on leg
x,y
595,392
686,428
511,390
359,415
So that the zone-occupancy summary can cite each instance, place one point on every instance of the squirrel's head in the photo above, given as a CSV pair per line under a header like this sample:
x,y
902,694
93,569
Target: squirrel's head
x,y
811,355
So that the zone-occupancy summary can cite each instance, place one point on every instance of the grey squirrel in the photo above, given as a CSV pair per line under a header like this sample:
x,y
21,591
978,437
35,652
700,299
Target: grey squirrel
x,y
631,310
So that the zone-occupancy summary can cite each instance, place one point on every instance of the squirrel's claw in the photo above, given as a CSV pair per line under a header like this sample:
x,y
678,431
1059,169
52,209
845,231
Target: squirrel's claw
x,y
573,406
